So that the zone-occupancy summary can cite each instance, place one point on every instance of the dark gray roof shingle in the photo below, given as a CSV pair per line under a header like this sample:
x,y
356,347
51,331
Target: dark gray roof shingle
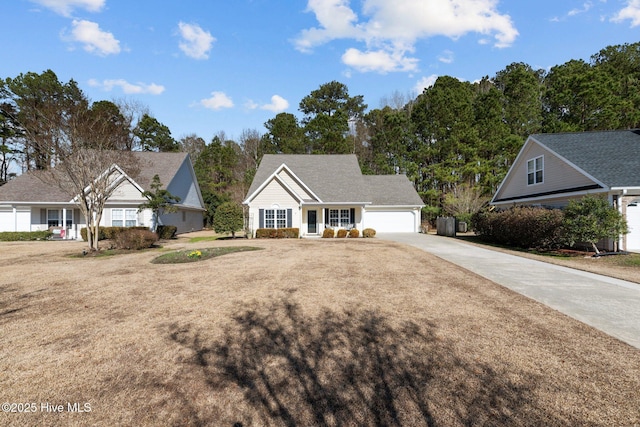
x,y
612,157
336,178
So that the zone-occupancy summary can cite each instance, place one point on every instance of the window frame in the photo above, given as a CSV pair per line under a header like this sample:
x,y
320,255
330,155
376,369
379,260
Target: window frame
x,y
535,171
275,218
128,217
340,218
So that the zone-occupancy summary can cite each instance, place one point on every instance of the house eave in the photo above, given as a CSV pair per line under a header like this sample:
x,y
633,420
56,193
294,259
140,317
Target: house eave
x,y
569,192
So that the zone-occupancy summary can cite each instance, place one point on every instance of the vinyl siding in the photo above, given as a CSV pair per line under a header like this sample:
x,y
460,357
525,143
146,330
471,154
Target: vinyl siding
x,y
558,175
126,191
291,182
183,185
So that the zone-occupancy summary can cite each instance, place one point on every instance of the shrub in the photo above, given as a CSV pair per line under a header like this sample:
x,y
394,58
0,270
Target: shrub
x,y
105,233
328,233
342,233
521,226
166,232
277,233
368,232
134,239
354,233
15,236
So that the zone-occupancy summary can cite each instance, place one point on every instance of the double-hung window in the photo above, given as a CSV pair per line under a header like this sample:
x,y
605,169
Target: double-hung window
x,y
124,217
535,171
274,218
53,218
340,218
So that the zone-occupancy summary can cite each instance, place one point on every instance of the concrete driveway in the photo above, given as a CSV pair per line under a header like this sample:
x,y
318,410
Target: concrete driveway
x,y
610,305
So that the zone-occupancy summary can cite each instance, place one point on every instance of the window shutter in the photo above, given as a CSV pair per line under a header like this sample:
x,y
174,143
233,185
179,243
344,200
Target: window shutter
x,y
261,215
43,216
326,216
352,216
289,217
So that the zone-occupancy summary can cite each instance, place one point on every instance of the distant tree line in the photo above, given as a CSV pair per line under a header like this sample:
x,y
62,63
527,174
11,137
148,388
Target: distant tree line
x,y
455,141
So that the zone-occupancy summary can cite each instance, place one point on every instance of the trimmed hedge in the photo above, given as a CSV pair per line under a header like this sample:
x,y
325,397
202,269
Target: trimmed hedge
x,y
17,236
521,226
368,232
328,233
105,233
277,233
342,233
353,233
134,239
166,232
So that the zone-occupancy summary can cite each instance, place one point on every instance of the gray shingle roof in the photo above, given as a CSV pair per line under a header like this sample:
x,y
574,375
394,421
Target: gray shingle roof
x,y
336,178
612,157
28,188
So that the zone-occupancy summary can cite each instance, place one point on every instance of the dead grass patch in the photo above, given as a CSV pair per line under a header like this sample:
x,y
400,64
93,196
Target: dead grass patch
x,y
304,332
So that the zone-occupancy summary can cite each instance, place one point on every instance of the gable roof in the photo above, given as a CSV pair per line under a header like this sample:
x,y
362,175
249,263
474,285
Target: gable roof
x,y
611,157
29,188
336,178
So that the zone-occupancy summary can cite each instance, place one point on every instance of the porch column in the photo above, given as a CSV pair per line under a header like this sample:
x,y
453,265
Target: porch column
x,y
64,221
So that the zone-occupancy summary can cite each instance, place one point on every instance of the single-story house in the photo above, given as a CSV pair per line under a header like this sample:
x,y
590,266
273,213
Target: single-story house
x,y
552,169
29,204
314,192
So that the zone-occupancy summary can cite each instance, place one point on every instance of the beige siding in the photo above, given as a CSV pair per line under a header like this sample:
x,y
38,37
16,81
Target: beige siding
x,y
558,175
291,182
126,191
274,194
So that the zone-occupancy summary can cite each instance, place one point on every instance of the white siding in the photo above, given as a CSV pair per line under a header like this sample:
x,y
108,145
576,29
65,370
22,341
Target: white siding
x,y
288,179
126,191
274,195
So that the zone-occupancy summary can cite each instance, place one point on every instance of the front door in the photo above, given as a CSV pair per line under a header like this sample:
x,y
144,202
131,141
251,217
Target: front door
x,y
312,223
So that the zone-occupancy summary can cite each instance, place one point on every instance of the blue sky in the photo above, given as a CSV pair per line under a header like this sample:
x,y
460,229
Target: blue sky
x,y
202,67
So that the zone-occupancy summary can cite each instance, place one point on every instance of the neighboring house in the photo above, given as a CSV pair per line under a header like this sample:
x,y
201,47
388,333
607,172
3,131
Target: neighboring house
x,y
314,192
29,204
552,169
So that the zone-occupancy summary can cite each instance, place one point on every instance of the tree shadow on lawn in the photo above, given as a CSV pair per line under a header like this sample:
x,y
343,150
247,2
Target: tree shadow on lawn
x,y
354,368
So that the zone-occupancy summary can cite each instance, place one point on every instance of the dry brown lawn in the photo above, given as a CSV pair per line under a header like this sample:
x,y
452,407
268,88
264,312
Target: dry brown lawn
x,y
356,332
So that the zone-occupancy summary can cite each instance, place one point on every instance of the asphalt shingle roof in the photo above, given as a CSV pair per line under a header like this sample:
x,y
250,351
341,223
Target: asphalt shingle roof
x,y
28,188
336,178
612,157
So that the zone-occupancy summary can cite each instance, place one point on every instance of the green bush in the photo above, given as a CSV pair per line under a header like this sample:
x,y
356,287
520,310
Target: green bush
x,y
277,233
166,232
108,233
134,239
521,226
368,232
16,236
354,233
342,233
328,233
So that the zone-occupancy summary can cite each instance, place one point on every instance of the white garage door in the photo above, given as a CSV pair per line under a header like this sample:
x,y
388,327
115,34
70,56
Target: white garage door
x,y
633,221
390,221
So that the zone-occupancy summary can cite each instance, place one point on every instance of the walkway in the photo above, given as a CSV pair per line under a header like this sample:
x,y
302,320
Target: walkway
x,y
610,305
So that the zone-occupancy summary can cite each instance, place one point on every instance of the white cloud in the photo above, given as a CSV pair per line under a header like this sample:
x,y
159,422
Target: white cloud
x,y
585,8
128,88
424,83
446,57
278,104
196,42
381,61
630,12
217,101
393,28
66,7
93,38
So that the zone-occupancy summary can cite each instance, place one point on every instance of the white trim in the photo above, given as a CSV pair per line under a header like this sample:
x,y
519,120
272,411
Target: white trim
x,y
274,175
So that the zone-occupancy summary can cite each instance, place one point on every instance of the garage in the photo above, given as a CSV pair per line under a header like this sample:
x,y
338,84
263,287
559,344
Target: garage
x,y
633,221
391,221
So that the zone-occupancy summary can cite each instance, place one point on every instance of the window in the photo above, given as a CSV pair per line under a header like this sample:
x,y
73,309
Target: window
x,y
340,218
53,218
124,217
535,169
275,218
